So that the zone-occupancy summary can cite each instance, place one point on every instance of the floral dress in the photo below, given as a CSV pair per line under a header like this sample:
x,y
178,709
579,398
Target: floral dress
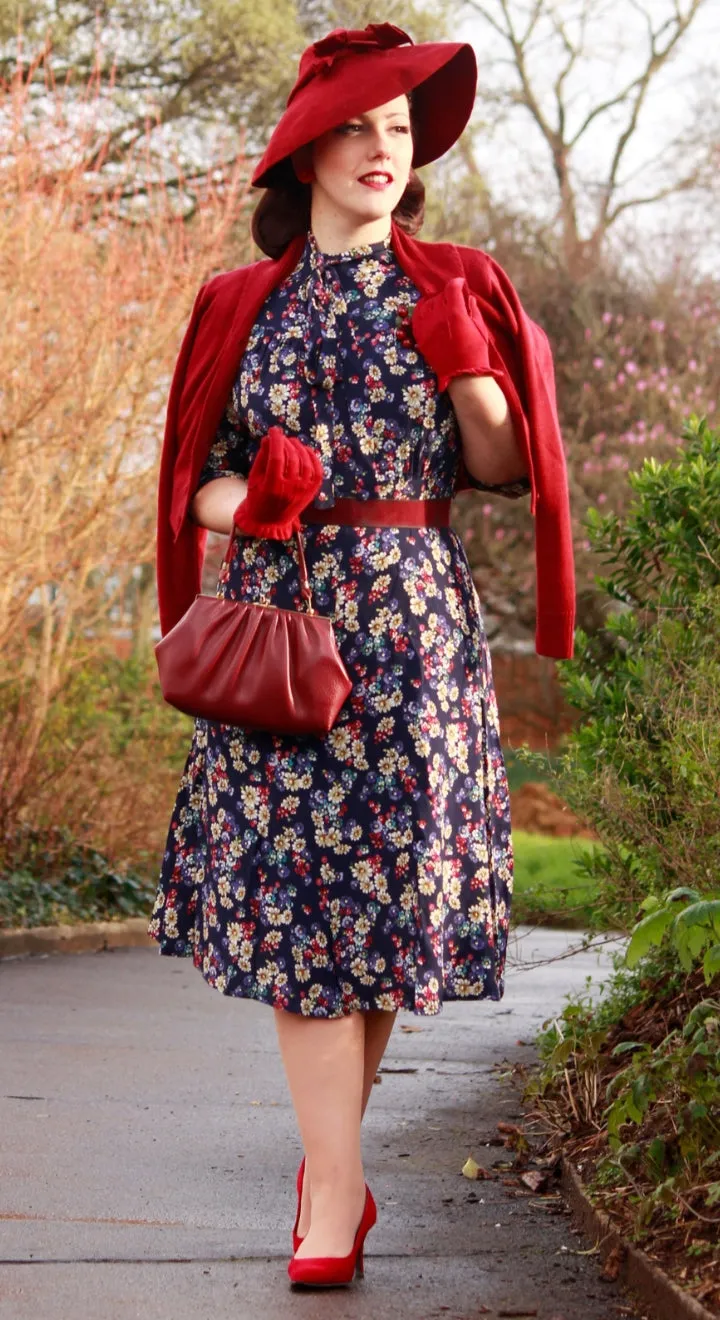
x,y
372,867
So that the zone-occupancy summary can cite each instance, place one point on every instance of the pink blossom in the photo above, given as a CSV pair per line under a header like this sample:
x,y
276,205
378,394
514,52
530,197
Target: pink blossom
x,y
588,333
641,385
631,367
692,365
499,533
602,497
598,362
620,378
487,509
659,326
468,534
606,318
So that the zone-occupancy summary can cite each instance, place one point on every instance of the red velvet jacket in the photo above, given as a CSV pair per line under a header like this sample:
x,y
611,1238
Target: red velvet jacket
x,y
223,315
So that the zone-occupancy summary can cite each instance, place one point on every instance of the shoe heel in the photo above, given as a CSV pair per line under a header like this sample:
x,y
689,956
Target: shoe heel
x,y
360,1265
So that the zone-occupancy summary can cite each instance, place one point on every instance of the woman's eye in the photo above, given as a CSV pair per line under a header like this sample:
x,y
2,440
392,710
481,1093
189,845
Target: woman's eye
x,y
350,130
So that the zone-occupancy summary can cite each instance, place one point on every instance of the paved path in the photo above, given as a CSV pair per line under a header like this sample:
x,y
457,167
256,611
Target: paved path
x,y
148,1154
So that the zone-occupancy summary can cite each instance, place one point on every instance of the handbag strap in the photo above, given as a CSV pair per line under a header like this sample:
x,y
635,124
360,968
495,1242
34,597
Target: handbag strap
x,y
305,589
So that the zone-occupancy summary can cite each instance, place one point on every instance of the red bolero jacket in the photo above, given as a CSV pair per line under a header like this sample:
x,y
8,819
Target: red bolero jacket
x,y
224,313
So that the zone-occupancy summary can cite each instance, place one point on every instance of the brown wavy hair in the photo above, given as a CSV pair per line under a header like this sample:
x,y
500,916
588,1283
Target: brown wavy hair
x,y
284,212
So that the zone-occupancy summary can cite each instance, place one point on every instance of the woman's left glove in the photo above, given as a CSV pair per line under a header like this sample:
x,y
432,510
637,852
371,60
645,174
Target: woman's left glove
x,y
450,332
285,476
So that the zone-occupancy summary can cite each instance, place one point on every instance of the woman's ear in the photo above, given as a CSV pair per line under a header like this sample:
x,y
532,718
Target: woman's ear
x,y
302,164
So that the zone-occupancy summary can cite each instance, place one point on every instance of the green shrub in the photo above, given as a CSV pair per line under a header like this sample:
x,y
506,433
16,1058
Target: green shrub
x,y
660,1110
55,879
643,765
84,837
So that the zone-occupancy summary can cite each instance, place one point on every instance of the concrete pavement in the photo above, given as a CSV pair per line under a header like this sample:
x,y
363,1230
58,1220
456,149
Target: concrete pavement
x,y
148,1153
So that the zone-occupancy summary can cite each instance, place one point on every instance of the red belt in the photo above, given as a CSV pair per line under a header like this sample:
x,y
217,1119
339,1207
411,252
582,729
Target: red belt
x,y
381,513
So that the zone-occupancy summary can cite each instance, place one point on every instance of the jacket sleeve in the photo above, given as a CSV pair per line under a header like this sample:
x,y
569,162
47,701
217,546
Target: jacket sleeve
x,y
528,383
180,545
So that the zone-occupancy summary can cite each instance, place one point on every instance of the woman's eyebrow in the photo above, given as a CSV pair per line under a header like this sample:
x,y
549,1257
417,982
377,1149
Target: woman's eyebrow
x,y
391,114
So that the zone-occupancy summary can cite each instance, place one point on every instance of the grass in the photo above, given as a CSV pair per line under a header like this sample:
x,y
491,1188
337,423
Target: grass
x,y
519,771
549,890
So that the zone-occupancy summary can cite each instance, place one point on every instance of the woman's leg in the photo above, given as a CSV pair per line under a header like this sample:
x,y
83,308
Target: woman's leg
x,y
324,1060
378,1025
378,1028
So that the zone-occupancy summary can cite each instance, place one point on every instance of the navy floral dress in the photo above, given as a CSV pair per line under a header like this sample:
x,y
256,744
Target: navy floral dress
x,y
371,868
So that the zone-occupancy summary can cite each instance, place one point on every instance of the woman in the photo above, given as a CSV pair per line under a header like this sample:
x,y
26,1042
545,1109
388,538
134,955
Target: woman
x,y
351,385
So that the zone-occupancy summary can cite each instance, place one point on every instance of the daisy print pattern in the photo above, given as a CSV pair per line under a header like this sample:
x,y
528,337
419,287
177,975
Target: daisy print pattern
x,y
371,868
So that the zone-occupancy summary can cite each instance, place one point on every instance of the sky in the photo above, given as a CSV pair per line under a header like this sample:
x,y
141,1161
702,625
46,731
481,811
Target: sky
x,y
515,160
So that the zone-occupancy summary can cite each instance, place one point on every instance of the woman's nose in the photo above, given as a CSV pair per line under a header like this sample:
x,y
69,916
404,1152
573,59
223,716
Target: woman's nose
x,y
380,148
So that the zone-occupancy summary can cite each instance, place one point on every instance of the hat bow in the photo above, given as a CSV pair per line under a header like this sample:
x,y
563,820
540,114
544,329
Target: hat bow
x,y
322,55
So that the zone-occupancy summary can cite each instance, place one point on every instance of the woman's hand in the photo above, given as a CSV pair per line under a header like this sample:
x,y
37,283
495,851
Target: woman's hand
x,y
284,478
451,334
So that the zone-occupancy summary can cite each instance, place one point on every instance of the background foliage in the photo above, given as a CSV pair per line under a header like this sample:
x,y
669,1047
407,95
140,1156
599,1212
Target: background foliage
x,y
127,137
643,765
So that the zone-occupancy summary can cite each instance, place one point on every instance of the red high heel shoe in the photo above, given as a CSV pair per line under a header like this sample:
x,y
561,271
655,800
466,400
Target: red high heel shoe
x,y
334,1271
296,1240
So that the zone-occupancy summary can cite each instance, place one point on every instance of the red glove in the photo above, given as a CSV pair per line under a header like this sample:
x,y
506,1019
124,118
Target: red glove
x,y
284,478
450,332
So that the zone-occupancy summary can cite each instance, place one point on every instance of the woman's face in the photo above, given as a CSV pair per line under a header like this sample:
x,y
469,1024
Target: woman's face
x,y
361,168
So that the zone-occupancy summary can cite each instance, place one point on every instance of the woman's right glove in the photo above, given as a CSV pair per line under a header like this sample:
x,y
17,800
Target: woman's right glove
x,y
284,478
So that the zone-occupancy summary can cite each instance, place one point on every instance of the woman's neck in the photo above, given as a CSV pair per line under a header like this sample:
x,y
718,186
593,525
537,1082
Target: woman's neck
x,y
337,233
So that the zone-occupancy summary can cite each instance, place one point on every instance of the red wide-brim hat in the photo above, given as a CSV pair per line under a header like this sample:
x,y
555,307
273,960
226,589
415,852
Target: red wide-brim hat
x,y
354,70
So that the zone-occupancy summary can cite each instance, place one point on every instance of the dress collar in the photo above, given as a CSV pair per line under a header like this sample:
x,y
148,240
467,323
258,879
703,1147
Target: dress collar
x,y
319,260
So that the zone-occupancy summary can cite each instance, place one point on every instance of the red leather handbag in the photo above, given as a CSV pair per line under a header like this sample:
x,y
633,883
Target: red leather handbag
x,y
255,664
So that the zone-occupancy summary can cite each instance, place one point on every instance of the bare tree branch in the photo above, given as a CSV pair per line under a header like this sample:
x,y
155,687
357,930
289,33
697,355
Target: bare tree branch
x,y
520,30
657,58
677,186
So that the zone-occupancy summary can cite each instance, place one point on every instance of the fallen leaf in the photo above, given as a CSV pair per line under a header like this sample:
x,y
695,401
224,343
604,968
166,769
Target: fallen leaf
x,y
534,1179
611,1268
